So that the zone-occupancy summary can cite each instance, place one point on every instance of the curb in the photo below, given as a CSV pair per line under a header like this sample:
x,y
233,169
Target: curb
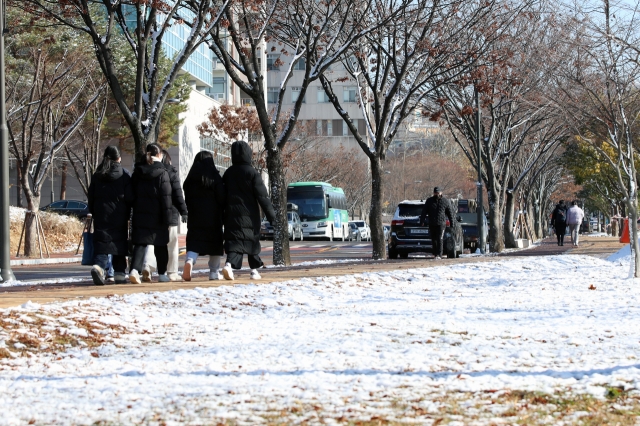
x,y
47,261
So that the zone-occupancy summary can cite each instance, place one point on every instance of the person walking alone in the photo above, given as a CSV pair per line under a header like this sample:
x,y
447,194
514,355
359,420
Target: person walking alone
x,y
246,194
178,212
559,221
151,213
205,196
574,219
109,198
436,210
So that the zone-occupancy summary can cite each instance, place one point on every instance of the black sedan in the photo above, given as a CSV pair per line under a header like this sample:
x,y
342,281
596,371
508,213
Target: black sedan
x,y
68,207
470,229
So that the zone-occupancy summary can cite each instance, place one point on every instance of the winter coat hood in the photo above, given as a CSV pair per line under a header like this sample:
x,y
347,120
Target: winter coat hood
x,y
150,171
241,153
115,172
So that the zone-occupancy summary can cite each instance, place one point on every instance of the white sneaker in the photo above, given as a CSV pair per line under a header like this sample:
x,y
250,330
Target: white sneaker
x,y
146,274
215,275
186,271
227,272
174,276
134,277
97,273
255,275
163,278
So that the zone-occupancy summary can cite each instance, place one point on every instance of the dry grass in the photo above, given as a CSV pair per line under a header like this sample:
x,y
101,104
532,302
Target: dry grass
x,y
61,232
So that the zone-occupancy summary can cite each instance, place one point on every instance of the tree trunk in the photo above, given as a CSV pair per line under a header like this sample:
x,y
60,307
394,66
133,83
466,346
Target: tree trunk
x,y
19,183
281,255
375,215
63,181
31,247
509,235
496,240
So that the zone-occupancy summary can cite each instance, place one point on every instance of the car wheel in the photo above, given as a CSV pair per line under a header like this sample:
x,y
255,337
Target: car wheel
x,y
393,254
404,255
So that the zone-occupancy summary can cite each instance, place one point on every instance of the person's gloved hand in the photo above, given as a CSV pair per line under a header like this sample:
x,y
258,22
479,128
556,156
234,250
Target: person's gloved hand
x,y
184,218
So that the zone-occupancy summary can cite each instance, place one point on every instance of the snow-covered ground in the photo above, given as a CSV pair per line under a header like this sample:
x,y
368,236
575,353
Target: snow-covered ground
x,y
386,345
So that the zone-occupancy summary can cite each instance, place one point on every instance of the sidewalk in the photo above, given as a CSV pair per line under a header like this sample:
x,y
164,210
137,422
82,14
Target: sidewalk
x,y
67,257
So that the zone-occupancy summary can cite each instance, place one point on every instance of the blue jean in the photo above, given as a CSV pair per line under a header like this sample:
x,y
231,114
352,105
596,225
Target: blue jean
x,y
110,263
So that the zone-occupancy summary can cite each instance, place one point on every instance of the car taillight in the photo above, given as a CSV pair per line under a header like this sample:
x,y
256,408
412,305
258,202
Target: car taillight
x,y
448,223
397,222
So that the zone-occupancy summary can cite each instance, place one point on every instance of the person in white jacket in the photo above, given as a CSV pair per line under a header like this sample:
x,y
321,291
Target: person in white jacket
x,y
574,219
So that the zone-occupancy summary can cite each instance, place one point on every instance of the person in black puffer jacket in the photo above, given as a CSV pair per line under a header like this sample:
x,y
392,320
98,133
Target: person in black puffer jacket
x,y
559,221
178,210
246,194
151,212
436,210
109,198
205,196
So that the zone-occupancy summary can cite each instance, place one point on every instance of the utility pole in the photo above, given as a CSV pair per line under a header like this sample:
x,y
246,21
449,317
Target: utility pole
x,y
5,261
480,210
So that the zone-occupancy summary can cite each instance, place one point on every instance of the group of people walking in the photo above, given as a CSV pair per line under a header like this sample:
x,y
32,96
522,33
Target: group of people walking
x,y
138,215
563,216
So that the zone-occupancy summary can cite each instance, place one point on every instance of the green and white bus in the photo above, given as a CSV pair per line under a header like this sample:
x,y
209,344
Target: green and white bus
x,y
322,209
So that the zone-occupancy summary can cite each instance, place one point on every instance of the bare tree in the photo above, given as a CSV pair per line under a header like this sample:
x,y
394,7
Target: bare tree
x,y
396,68
140,26
48,102
598,91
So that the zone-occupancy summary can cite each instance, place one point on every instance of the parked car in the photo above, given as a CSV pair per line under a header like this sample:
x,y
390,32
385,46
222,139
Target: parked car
x,y
354,232
407,236
295,227
469,225
363,227
68,207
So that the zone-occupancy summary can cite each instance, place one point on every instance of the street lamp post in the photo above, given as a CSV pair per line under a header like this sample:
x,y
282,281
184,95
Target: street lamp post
x,y
5,261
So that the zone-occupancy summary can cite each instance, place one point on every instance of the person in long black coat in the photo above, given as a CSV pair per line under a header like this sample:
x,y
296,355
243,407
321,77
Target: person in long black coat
x,y
178,212
559,221
109,198
435,212
246,194
205,197
151,213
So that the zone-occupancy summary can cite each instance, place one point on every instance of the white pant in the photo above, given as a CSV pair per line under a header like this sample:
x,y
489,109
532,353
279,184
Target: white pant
x,y
214,261
575,233
172,266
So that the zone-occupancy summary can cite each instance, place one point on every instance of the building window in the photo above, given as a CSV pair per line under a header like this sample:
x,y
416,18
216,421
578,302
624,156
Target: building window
x,y
323,98
272,95
345,129
295,93
329,128
273,63
349,94
301,65
319,127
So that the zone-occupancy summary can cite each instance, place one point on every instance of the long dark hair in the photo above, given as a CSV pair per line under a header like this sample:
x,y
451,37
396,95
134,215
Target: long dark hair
x,y
166,158
111,155
153,150
204,169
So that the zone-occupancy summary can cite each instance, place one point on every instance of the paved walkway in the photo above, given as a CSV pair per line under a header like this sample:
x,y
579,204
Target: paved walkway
x,y
14,296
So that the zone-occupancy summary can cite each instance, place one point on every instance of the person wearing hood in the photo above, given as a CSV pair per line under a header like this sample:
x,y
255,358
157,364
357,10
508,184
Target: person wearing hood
x,y
559,221
205,197
109,198
245,194
151,213
178,211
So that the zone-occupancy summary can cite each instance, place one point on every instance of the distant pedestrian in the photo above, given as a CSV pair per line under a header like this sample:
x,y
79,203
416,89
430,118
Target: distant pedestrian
x,y
435,212
205,197
110,197
178,211
151,213
574,219
245,195
559,221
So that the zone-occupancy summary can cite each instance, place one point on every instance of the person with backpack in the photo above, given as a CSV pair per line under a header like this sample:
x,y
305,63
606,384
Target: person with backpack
x,y
109,198
559,221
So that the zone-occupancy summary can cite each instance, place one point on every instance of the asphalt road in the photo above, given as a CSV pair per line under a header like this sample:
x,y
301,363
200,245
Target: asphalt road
x,y
301,251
